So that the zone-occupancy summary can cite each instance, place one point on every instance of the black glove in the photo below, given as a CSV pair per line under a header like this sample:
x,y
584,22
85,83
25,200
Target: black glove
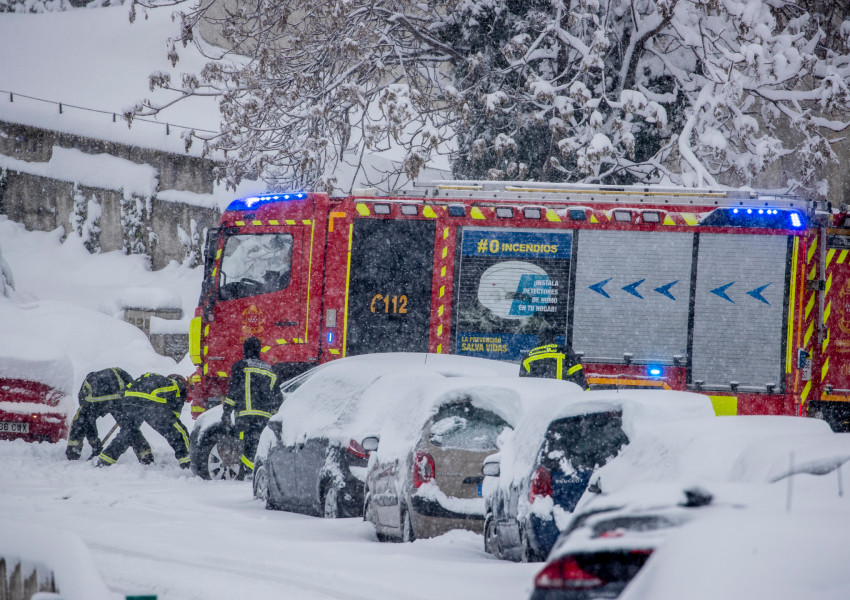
x,y
96,449
73,452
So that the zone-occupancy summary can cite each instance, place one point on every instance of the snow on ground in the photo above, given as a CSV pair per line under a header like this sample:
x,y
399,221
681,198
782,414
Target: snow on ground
x,y
159,530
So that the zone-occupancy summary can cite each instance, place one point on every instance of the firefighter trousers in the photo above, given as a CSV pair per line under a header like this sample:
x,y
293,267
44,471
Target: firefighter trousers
x,y
249,429
160,418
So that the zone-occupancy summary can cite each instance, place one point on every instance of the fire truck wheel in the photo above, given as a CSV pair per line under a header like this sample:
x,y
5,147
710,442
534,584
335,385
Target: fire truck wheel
x,y
218,456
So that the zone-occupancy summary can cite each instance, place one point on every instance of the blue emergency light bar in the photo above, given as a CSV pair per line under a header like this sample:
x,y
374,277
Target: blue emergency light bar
x,y
654,371
252,202
761,217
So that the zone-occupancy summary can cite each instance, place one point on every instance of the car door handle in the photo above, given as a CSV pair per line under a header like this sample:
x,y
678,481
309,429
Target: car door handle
x,y
285,323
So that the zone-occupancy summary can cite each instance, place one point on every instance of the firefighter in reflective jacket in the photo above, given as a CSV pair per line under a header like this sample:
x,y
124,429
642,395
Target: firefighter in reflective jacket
x,y
552,360
254,395
101,394
156,400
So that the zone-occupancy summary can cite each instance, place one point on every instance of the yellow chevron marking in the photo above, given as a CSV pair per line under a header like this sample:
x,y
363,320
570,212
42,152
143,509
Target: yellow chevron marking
x,y
808,335
690,218
806,390
280,342
222,374
810,305
362,210
334,351
829,255
825,342
826,311
439,348
429,212
812,273
446,233
240,223
207,330
257,222
445,252
668,220
825,369
593,219
440,310
206,369
290,221
218,254
552,216
476,213
811,251
265,348
439,330
442,291
307,222
828,284
442,271
274,222
841,257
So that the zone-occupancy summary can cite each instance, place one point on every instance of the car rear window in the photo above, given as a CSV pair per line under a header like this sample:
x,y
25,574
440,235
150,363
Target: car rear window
x,y
586,441
466,427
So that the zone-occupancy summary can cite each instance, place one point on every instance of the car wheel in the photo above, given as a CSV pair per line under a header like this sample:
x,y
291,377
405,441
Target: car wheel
x,y
491,542
370,516
218,456
330,502
527,554
407,534
261,482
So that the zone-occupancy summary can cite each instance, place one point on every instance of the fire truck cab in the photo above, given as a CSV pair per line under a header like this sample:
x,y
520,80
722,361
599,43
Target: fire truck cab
x,y
739,295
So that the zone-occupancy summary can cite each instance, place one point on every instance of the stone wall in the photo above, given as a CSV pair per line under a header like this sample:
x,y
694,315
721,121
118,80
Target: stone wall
x,y
42,203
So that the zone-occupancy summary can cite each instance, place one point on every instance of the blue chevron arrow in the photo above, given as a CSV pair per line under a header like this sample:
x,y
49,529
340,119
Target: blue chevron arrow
x,y
756,293
664,290
597,287
721,291
632,288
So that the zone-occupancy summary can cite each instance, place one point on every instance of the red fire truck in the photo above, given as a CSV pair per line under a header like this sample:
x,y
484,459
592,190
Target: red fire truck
x,y
739,295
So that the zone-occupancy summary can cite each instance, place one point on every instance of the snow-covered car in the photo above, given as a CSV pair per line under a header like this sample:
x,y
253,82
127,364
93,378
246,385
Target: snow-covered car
x,y
610,539
215,453
424,477
545,466
309,458
36,378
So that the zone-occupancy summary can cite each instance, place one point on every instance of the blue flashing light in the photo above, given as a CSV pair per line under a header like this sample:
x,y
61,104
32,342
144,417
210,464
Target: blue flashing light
x,y
330,337
795,220
252,202
761,211
655,371
749,211
735,210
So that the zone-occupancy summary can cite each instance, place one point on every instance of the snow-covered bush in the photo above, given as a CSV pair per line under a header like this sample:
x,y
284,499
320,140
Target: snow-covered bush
x,y
134,221
85,219
191,242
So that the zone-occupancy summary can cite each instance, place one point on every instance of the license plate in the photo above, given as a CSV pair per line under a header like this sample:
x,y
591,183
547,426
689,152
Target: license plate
x,y
13,427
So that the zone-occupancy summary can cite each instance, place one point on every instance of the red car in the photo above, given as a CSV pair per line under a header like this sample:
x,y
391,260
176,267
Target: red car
x,y
35,386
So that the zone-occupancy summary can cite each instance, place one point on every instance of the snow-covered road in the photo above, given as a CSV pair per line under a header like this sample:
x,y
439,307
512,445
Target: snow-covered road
x,y
158,530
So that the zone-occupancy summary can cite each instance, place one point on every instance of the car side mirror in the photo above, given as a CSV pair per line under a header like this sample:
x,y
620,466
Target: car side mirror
x,y
370,444
276,427
594,488
491,469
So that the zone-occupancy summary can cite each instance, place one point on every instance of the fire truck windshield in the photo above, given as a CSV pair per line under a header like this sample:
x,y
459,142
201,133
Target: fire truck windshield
x,y
255,264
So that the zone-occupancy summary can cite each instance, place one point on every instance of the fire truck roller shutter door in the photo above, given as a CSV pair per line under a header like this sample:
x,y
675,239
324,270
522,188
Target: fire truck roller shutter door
x,y
632,293
739,309
390,286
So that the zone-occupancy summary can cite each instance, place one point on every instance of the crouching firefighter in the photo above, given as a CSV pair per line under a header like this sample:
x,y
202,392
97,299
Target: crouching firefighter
x,y
102,394
254,395
552,360
156,400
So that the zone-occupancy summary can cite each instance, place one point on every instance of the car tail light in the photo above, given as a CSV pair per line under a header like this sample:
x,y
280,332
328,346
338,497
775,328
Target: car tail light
x,y
356,450
423,468
565,573
541,484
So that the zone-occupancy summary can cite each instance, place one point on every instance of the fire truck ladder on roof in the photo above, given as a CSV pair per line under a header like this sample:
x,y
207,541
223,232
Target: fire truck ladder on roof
x,y
530,191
